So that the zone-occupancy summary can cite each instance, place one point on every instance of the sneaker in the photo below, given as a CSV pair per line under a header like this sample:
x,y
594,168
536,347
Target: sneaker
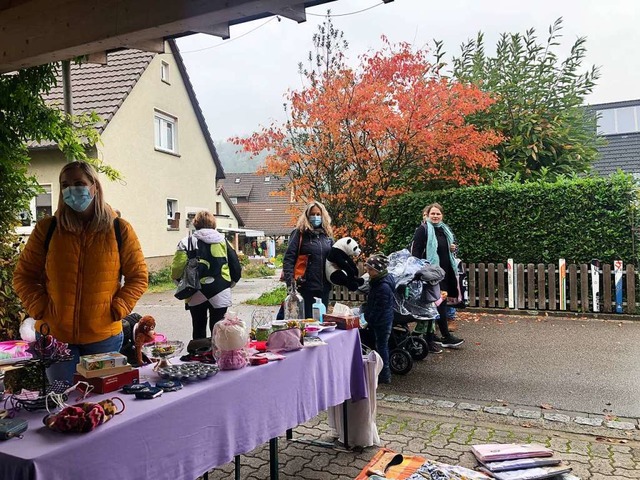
x,y
452,342
386,380
434,347
435,339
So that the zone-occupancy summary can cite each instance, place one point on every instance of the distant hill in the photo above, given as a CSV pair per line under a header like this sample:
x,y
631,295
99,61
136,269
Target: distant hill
x,y
237,162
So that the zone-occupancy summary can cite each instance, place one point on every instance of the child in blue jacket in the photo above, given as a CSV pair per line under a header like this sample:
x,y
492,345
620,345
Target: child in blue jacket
x,y
378,311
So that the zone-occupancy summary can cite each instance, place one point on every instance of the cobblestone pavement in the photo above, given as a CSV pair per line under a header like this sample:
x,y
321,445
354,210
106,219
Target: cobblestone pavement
x,y
445,431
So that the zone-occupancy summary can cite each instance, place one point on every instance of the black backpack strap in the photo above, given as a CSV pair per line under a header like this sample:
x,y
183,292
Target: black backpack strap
x,y
47,239
116,227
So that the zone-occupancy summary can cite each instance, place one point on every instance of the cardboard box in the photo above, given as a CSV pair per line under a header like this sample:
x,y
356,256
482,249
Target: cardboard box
x,y
343,322
103,372
109,383
103,360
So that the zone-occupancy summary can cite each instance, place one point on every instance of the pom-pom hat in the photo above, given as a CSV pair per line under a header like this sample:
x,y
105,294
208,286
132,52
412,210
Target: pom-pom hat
x,y
378,261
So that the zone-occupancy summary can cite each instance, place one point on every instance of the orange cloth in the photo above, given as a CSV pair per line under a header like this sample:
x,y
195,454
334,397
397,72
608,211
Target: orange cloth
x,y
409,466
75,288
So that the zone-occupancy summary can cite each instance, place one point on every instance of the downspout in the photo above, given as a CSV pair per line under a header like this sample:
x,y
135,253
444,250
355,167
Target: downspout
x,y
67,93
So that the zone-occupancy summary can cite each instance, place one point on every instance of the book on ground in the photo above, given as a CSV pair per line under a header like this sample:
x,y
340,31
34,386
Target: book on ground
x,y
536,473
520,463
491,452
103,372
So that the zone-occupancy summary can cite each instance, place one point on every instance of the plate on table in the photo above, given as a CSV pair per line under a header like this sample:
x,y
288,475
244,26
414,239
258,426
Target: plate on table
x,y
328,328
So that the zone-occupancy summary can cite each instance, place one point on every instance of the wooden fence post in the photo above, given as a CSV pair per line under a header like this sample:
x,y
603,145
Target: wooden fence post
x,y
542,299
606,288
491,285
553,293
631,289
520,277
584,288
482,276
531,287
501,295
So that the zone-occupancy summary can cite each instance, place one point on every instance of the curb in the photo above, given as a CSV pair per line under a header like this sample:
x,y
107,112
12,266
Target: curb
x,y
555,314
551,419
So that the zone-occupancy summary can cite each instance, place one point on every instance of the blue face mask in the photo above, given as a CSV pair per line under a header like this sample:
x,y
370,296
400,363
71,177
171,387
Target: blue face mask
x,y
78,198
316,220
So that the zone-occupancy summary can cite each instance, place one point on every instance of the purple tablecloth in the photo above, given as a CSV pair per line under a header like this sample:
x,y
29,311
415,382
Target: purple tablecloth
x,y
183,434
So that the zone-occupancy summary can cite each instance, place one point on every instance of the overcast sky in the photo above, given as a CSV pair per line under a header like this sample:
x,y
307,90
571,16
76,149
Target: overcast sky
x,y
240,83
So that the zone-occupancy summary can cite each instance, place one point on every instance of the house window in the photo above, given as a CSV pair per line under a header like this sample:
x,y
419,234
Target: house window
x,y
218,208
234,200
164,72
619,120
165,132
173,215
237,180
43,203
267,179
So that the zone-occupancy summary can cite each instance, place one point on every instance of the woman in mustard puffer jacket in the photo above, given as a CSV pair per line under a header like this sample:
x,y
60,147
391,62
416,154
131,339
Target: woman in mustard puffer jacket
x,y
74,283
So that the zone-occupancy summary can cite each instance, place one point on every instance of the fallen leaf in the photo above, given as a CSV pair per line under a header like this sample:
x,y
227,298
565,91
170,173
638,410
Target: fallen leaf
x,y
610,418
611,440
546,406
478,343
526,425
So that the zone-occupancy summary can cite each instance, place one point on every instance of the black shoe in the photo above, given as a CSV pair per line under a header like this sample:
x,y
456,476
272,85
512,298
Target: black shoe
x,y
434,347
435,339
452,342
386,380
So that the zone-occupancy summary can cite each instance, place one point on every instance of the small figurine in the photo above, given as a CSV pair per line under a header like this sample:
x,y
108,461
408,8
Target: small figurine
x,y
144,333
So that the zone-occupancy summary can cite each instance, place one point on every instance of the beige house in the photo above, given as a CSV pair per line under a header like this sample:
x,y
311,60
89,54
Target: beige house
x,y
155,135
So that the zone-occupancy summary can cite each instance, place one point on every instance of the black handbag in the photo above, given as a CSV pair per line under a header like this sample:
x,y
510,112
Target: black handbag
x,y
12,427
190,281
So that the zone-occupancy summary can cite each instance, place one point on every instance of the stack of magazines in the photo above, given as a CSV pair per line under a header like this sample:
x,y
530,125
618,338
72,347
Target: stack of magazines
x,y
512,461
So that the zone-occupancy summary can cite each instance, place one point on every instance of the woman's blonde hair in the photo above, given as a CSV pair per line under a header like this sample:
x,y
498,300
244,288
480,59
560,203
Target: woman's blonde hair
x,y
204,219
103,214
303,223
428,208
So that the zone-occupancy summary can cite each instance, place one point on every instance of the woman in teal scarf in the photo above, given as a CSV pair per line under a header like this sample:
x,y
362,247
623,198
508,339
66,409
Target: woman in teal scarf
x,y
434,241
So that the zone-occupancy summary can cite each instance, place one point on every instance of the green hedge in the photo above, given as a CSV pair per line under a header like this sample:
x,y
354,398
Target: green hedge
x,y
576,219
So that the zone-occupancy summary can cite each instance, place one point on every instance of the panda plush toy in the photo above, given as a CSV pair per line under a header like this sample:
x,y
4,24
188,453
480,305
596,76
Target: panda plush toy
x,y
340,268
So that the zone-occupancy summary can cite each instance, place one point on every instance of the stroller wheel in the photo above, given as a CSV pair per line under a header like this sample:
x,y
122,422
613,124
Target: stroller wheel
x,y
418,348
400,361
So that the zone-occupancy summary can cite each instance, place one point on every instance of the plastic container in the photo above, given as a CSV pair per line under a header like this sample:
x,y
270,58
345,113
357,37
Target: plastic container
x,y
318,310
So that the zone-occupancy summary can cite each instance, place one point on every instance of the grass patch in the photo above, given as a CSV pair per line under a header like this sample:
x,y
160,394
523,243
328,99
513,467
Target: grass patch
x,y
271,298
160,281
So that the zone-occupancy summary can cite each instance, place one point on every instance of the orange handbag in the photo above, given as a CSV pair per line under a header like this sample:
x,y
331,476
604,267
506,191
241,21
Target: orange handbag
x,y
300,267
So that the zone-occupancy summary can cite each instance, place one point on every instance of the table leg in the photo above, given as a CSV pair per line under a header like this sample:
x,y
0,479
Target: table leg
x,y
205,476
345,424
273,458
237,467
290,434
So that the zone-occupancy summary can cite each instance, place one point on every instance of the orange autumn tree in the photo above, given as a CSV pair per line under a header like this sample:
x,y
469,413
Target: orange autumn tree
x,y
356,138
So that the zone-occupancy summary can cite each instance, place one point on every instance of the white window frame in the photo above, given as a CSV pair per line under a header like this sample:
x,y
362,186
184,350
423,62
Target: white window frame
x,y
164,72
161,122
172,209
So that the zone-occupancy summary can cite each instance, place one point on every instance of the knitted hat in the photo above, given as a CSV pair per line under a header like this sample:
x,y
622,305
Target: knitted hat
x,y
378,261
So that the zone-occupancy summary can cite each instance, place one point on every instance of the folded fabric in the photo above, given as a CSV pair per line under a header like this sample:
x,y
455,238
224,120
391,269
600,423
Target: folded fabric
x,y
83,417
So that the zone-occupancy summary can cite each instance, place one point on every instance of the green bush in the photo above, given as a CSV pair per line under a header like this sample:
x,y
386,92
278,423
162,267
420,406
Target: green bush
x,y
257,271
576,219
271,298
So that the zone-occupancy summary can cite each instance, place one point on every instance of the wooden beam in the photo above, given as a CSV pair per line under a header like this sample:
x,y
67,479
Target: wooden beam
x,y
155,45
292,12
221,30
99,58
43,31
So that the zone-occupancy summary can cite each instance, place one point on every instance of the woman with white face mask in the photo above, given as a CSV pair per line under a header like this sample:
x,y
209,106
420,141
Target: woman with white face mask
x,y
68,275
312,237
